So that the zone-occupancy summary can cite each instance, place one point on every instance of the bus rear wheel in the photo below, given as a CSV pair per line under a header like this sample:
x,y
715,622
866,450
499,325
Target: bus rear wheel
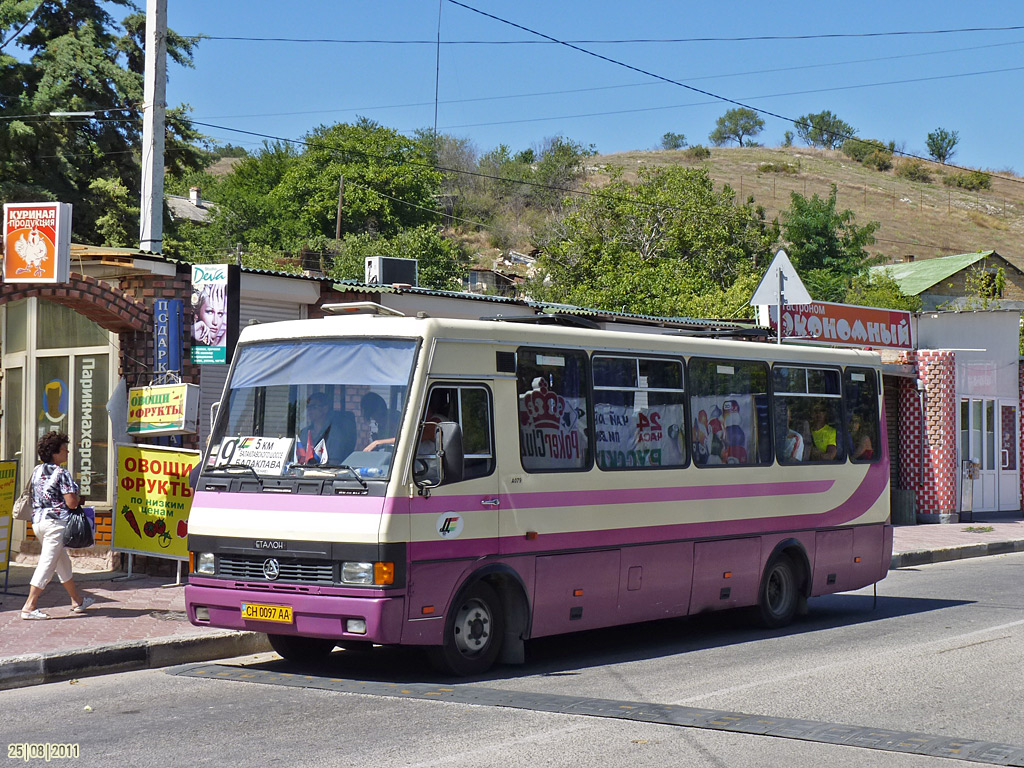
x,y
473,633
780,593
301,649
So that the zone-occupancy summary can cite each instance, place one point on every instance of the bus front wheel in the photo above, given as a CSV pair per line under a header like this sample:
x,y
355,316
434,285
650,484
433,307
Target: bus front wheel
x,y
303,649
780,593
473,633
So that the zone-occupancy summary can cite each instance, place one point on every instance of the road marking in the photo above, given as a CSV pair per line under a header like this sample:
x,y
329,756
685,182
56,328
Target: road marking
x,y
988,752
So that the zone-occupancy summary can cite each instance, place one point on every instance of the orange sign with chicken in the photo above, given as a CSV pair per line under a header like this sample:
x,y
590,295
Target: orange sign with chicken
x,y
37,242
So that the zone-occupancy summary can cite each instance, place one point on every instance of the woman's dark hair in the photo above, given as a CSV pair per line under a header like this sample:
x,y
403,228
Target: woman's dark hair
x,y
373,405
49,444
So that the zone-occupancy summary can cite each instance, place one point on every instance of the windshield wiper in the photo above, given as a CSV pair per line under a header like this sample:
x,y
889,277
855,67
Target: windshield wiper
x,y
239,466
346,467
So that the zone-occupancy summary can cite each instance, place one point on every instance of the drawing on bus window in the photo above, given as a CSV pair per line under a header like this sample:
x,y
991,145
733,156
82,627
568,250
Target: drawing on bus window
x,y
553,407
724,429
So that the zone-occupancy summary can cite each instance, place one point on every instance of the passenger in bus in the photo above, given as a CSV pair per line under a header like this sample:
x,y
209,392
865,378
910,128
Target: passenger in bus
x,y
327,430
380,424
793,442
823,435
861,447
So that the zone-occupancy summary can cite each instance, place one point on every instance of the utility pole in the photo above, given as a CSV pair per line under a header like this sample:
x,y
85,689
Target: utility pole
x,y
154,107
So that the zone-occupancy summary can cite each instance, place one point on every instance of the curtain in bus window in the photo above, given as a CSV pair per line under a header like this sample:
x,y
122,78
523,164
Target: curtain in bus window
x,y
724,429
552,410
638,436
375,362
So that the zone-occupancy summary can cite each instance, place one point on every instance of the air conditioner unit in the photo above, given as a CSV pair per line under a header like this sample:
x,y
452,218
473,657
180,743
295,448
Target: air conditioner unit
x,y
385,270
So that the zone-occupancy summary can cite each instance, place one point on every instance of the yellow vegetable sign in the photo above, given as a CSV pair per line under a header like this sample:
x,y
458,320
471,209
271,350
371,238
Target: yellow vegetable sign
x,y
153,500
8,493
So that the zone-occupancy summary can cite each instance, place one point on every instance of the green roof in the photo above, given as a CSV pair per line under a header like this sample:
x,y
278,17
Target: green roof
x,y
914,277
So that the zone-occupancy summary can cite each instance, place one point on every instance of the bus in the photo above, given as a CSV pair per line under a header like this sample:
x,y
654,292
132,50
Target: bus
x,y
467,485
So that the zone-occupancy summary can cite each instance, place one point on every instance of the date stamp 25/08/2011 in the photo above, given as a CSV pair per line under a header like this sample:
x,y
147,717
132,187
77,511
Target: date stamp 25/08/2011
x,y
26,751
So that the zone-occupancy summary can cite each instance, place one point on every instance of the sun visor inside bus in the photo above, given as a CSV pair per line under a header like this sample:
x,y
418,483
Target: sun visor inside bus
x,y
343,361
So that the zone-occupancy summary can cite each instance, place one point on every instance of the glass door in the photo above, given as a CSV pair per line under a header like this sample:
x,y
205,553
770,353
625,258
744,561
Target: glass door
x,y
1009,458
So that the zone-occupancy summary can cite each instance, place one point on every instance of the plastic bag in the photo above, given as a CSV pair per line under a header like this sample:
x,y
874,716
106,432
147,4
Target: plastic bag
x,y
78,531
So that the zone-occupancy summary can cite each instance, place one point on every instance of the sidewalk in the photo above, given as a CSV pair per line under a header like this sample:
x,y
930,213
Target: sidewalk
x,y
140,622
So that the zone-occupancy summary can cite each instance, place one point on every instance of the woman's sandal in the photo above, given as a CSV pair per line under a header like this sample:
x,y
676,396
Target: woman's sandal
x,y
81,607
34,614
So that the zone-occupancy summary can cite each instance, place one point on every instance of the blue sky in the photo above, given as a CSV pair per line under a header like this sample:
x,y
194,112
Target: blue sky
x,y
520,94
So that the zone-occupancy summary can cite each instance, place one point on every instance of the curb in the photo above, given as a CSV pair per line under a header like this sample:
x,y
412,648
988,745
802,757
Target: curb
x,y
929,556
38,668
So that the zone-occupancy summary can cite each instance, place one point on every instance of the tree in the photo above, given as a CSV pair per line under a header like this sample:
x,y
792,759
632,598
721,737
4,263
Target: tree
x,y
735,125
826,245
442,262
873,289
281,199
669,244
73,56
941,144
673,141
823,129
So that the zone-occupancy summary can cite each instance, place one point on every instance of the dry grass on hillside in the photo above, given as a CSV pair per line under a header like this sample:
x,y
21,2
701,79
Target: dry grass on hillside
x,y
922,219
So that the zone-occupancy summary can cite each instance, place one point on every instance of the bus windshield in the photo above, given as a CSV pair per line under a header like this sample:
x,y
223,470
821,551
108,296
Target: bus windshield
x,y
299,407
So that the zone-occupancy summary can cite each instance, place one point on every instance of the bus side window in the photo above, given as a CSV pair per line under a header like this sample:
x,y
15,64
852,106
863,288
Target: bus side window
x,y
860,392
728,412
639,412
808,414
553,387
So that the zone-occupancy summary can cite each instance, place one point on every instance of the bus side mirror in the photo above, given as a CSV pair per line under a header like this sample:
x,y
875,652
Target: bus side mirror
x,y
440,461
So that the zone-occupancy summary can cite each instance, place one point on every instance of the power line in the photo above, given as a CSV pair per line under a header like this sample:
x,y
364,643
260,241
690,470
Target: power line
x,y
693,88
627,41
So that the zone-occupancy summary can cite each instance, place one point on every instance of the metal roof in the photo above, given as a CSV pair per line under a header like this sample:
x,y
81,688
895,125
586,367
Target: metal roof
x,y
914,277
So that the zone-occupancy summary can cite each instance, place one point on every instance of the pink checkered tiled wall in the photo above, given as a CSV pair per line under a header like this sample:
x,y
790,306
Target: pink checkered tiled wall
x,y
935,483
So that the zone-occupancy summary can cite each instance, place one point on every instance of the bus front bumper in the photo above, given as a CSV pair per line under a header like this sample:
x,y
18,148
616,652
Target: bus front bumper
x,y
326,616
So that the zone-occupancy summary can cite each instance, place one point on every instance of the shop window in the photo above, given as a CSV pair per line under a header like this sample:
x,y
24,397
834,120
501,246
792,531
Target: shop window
x,y
639,412
58,326
16,329
808,413
552,385
729,412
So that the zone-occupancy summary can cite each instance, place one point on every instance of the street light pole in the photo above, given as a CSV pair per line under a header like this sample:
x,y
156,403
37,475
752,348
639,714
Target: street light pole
x,y
151,213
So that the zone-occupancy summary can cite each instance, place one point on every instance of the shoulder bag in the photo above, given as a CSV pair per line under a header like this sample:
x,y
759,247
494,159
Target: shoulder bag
x,y
23,504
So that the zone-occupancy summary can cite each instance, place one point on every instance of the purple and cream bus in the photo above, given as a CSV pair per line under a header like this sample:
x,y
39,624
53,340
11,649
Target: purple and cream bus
x,y
467,485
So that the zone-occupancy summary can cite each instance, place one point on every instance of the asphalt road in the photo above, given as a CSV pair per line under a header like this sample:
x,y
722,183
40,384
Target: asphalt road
x,y
940,655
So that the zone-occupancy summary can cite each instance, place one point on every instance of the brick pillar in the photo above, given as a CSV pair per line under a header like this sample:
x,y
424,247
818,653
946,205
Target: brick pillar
x,y
910,431
1020,426
936,495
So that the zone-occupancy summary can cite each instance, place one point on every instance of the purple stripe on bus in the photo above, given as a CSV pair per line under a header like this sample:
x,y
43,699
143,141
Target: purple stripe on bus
x,y
545,499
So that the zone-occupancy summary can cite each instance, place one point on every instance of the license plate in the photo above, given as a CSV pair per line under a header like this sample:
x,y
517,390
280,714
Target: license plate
x,y
260,612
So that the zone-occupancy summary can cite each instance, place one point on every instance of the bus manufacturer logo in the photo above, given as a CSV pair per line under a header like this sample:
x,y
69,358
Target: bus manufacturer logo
x,y
271,569
449,525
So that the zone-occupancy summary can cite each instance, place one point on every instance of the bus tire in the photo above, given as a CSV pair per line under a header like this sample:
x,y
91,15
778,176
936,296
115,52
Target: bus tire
x,y
301,649
473,633
779,597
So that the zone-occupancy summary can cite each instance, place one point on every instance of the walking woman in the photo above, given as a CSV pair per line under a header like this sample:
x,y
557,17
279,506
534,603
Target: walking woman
x,y
54,492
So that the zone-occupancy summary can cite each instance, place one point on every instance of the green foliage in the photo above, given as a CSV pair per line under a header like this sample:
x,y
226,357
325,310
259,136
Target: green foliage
x,y
913,170
697,153
673,141
972,180
823,129
442,264
880,160
941,144
667,245
777,168
736,125
983,288
819,237
871,289
74,56
787,139
119,224
861,149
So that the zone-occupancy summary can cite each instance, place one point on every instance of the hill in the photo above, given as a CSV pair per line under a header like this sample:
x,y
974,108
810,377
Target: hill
x,y
923,219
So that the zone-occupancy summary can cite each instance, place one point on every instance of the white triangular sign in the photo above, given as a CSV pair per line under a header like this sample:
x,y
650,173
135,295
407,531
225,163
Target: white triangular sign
x,y
782,274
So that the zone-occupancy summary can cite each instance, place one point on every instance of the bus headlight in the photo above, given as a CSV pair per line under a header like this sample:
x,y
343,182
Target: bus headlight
x,y
368,573
204,563
357,573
